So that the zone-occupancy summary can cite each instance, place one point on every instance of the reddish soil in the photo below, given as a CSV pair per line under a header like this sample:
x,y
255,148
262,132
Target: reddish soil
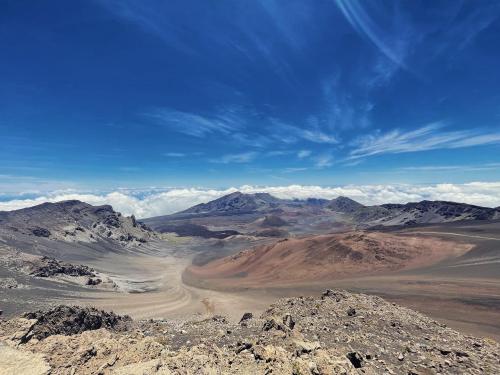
x,y
326,257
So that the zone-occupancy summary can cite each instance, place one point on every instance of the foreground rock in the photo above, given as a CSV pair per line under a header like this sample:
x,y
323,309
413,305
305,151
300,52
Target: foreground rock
x,y
71,320
294,336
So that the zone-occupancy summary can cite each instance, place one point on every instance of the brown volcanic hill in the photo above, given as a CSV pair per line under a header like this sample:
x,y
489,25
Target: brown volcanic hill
x,y
326,257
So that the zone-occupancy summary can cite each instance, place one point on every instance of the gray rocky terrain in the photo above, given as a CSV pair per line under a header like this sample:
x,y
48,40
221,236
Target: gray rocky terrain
x,y
336,333
72,221
244,213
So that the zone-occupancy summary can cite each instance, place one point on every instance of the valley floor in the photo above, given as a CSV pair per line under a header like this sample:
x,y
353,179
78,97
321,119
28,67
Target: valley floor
x,y
471,305
157,289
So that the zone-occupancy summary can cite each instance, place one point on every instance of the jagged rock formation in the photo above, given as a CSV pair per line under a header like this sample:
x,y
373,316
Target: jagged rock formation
x,y
424,212
73,221
71,320
51,267
436,212
338,333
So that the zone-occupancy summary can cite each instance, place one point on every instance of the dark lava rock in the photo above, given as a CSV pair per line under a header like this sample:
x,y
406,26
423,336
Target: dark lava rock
x,y
246,316
335,294
270,324
41,232
288,321
71,320
112,221
356,359
243,346
94,281
51,267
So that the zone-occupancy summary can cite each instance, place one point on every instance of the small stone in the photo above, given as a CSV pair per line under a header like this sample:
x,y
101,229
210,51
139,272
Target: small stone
x,y
246,316
351,311
243,346
401,357
288,321
313,368
304,347
356,359
270,324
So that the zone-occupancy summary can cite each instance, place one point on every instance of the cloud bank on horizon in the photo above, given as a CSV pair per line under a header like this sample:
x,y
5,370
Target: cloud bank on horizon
x,y
258,92
146,203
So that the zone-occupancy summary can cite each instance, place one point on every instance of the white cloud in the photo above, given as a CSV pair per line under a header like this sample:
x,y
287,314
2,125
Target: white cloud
x,y
173,200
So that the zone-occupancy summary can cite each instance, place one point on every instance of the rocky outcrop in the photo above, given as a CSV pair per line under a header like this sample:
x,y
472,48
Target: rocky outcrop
x,y
51,267
304,335
74,221
71,320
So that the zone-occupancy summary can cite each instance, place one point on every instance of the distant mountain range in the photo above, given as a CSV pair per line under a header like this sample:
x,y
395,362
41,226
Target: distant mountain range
x,y
235,213
352,212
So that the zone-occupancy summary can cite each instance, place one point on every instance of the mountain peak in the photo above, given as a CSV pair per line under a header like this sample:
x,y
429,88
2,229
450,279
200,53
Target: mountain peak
x,y
236,202
344,204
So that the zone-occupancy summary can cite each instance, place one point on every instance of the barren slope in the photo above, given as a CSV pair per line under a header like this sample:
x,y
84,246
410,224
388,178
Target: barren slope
x,y
327,257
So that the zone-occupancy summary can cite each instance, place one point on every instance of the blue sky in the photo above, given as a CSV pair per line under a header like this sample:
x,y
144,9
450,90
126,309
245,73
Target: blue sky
x,y
106,94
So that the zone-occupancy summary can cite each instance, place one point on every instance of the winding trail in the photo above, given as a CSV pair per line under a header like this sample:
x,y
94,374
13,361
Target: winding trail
x,y
156,289
457,234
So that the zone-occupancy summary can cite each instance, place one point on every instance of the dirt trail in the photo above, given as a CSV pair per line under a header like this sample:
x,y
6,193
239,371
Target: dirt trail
x,y
457,234
172,298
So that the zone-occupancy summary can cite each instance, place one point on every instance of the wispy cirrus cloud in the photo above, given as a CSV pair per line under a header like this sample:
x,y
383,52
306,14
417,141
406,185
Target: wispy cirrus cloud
x,y
462,168
428,137
323,161
291,134
302,154
394,45
174,154
152,18
244,157
222,121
